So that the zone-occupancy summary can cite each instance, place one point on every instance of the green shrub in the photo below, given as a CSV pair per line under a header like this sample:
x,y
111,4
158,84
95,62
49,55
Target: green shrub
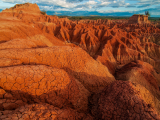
x,y
147,13
43,12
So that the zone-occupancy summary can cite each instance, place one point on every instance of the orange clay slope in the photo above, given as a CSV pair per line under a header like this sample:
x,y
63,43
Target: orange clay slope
x,y
52,68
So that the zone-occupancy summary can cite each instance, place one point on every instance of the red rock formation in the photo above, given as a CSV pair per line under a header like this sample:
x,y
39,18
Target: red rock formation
x,y
44,84
28,7
43,111
20,9
123,40
93,75
122,101
138,19
139,72
143,74
48,62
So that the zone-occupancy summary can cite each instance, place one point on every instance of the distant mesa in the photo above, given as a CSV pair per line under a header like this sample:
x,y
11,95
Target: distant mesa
x,y
137,18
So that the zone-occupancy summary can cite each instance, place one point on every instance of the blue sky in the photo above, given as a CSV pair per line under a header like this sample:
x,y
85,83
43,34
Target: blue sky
x,y
101,6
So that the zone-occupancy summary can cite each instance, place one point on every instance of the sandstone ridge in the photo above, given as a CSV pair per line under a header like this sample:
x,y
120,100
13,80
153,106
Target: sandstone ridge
x,y
28,7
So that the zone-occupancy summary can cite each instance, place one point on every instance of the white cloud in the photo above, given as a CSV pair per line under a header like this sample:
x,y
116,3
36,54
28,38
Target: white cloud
x,y
105,3
88,5
109,11
74,4
62,9
145,3
114,1
91,2
60,3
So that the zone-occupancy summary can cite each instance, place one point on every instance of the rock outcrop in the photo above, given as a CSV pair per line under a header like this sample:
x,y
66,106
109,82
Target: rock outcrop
x,y
55,68
138,19
41,112
42,84
144,75
92,74
26,8
121,101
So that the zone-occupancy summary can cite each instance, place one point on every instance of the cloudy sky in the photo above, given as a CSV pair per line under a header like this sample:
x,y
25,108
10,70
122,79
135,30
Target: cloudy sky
x,y
101,6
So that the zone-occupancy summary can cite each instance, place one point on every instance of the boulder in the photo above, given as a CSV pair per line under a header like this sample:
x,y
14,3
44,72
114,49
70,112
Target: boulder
x,y
122,101
43,84
43,112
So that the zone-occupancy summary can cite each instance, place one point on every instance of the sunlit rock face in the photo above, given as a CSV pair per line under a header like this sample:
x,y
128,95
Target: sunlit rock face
x,y
138,19
55,68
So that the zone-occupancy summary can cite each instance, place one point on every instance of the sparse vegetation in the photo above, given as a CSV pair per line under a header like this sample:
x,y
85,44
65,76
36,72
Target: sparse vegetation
x,y
147,13
93,17
152,19
43,12
18,5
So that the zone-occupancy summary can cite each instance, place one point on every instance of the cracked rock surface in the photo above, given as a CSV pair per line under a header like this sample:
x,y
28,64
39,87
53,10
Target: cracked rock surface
x,y
43,112
56,69
121,101
74,60
43,84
